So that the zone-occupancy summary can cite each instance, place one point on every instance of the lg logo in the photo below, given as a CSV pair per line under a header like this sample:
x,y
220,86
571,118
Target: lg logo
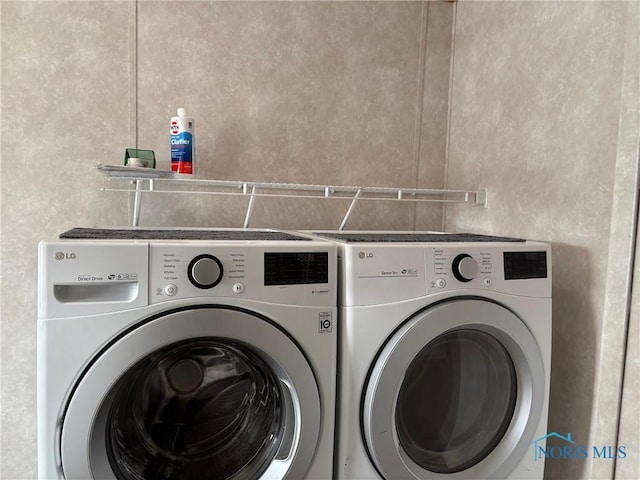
x,y
65,256
363,255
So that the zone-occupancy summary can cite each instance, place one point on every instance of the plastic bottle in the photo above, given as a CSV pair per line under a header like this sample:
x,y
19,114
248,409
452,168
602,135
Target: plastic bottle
x,y
182,143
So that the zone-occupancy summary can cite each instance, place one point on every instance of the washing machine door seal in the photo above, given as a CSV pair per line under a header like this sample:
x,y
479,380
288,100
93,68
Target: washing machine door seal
x,y
84,436
490,373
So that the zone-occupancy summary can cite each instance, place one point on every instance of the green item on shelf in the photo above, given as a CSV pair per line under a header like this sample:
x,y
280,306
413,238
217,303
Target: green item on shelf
x,y
134,157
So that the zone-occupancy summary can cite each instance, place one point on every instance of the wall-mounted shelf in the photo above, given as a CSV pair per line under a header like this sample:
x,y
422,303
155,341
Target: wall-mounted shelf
x,y
148,181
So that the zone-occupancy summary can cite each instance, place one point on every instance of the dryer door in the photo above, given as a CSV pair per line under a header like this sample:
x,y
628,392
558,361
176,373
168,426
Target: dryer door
x,y
459,388
198,393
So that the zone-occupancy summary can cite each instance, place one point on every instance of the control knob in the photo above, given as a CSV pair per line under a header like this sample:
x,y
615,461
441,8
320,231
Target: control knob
x,y
465,268
205,271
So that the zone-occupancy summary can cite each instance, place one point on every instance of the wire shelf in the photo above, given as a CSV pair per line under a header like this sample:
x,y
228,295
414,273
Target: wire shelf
x,y
150,181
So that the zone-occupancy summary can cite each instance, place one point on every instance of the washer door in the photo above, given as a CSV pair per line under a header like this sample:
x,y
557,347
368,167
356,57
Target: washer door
x,y
459,388
200,393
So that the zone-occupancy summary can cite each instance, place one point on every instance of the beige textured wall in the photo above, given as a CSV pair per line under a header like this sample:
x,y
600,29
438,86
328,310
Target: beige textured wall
x,y
543,99
623,236
346,93
296,92
630,412
65,107
310,92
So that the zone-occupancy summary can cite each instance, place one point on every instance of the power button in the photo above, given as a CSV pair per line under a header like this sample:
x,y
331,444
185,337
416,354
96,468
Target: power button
x,y
170,289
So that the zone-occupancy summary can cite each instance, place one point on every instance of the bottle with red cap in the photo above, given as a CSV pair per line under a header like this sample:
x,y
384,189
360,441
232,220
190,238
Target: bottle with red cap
x,y
182,143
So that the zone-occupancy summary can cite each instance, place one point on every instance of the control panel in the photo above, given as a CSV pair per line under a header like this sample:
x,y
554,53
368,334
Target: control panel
x,y
454,266
520,269
276,274
387,273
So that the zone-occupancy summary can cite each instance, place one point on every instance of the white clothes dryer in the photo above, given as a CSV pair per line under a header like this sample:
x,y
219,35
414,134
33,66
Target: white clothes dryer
x,y
211,357
444,356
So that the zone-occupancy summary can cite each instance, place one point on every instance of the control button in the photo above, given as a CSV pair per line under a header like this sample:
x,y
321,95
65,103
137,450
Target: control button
x,y
170,289
441,283
238,288
205,271
487,281
465,268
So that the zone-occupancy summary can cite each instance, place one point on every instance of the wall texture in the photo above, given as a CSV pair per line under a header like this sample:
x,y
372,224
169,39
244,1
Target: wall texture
x,y
308,92
630,411
533,102
302,92
279,97
65,107
542,114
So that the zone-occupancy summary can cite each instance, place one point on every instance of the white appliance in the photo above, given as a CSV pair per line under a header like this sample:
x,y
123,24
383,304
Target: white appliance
x,y
444,356
213,357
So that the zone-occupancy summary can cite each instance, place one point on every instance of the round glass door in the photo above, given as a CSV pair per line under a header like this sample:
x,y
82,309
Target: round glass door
x,y
459,388
198,393
202,408
456,401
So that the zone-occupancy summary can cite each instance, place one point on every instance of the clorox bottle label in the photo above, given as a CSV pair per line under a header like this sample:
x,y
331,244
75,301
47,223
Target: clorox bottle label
x,y
182,143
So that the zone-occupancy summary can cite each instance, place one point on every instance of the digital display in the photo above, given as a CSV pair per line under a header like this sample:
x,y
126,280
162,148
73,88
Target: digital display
x,y
524,265
286,268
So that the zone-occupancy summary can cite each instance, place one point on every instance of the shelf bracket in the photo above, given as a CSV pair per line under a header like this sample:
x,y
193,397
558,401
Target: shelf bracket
x,y
350,209
135,219
252,202
481,197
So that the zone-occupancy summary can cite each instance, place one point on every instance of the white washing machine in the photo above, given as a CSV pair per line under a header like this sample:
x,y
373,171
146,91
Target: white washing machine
x,y
444,356
160,357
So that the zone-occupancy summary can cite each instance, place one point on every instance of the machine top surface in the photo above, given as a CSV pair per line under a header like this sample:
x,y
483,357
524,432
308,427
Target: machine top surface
x,y
176,234
409,237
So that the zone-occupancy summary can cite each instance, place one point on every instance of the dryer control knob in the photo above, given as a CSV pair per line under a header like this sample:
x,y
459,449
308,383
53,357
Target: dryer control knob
x,y
205,271
465,268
